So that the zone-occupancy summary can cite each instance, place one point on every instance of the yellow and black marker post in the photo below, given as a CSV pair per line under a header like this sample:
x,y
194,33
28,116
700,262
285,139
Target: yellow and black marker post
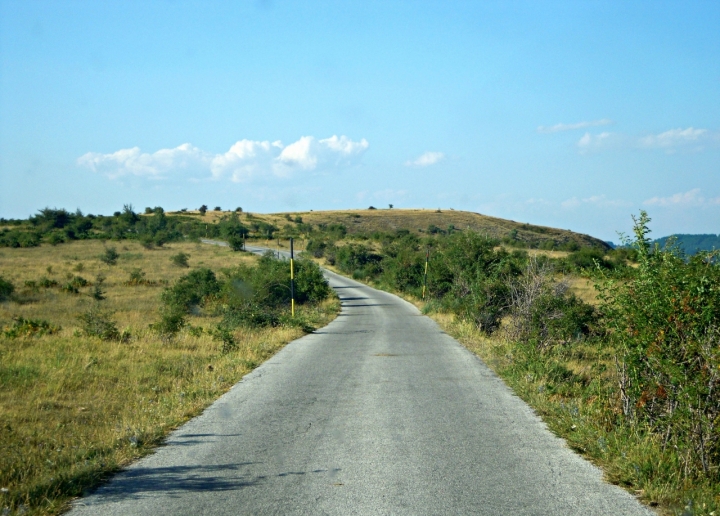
x,y
427,259
292,279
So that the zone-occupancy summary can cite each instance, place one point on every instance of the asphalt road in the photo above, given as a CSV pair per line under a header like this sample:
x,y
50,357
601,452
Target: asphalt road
x,y
380,412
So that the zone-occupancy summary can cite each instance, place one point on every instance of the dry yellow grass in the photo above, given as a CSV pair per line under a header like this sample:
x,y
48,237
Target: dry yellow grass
x,y
74,408
415,220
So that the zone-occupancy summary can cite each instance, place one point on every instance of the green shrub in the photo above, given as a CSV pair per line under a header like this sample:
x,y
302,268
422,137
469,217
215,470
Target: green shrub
x,y
137,277
110,256
172,319
225,336
6,289
665,324
180,259
98,323
192,289
22,327
97,292
542,312
589,258
47,282
236,242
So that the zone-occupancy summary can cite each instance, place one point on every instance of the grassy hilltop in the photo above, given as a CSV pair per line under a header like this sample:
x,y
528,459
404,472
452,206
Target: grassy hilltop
x,y
420,221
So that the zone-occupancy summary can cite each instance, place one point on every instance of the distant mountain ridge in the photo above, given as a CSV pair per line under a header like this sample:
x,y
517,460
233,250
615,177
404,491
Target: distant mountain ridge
x,y
692,244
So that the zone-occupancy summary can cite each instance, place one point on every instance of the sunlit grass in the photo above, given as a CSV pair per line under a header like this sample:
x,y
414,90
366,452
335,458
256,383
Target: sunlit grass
x,y
73,409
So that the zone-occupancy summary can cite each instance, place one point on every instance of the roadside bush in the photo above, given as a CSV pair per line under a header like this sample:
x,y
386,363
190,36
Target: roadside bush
x,y
236,242
6,289
542,313
192,289
665,324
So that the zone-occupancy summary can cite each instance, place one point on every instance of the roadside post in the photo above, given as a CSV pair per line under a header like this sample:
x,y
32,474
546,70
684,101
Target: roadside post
x,y
292,279
427,259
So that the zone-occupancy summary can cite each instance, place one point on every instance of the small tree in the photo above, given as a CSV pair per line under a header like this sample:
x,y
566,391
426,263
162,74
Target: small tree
x,y
236,242
217,208
180,259
6,289
110,256
203,209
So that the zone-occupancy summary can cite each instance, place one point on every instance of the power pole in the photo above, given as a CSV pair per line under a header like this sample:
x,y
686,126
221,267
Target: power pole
x,y
292,279
427,259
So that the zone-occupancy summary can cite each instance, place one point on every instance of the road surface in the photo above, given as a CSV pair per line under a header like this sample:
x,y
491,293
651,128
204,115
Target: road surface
x,y
380,412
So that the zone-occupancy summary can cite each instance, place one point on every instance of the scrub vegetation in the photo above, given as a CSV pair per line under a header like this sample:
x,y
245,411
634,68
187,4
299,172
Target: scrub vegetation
x,y
100,358
106,347
627,371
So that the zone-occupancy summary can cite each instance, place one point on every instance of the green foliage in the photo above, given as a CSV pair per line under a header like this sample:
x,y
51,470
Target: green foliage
x,y
6,289
203,209
236,242
97,292
22,327
46,282
223,335
589,258
180,259
110,256
98,323
192,290
542,313
137,277
665,323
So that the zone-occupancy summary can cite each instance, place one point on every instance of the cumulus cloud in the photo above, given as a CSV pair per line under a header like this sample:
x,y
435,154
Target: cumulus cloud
x,y
245,160
692,198
156,165
426,159
571,127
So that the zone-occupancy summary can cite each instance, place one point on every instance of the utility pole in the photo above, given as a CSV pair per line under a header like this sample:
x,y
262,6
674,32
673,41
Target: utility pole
x,y
427,259
292,279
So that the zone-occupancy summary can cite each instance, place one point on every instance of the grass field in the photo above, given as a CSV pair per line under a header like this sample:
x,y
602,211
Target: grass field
x,y
73,409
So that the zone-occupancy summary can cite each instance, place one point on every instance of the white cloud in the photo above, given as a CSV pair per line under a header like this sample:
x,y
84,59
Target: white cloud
x,y
673,138
688,199
156,165
670,141
245,160
426,159
571,127
594,141
594,200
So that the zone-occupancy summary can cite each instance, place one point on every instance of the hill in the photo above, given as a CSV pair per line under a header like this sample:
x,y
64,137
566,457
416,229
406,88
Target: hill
x,y
692,244
367,222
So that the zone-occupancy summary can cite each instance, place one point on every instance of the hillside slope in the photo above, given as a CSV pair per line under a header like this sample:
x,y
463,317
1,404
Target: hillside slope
x,y
424,221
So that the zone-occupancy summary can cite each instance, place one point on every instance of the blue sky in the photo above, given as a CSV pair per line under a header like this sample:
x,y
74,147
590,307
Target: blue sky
x,y
568,114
